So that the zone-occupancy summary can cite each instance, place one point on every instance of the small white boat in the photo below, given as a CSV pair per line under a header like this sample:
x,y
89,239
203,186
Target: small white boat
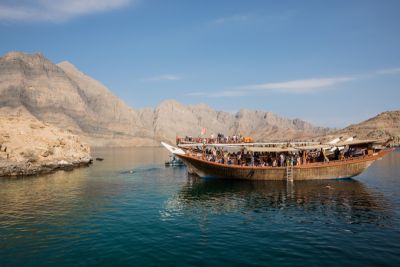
x,y
174,162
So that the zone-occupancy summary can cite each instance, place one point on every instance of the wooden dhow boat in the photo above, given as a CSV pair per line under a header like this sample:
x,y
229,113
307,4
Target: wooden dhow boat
x,y
196,162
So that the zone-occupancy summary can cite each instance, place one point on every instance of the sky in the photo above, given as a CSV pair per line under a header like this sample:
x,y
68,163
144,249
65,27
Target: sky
x,y
331,63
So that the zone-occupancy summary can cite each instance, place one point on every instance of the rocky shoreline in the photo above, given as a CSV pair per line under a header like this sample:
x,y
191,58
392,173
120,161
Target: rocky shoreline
x,y
28,169
31,147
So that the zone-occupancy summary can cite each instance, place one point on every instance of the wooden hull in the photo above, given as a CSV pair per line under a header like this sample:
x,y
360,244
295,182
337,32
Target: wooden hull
x,y
329,170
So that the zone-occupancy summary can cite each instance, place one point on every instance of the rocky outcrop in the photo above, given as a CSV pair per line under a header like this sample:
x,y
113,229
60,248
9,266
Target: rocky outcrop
x,y
384,126
67,98
29,146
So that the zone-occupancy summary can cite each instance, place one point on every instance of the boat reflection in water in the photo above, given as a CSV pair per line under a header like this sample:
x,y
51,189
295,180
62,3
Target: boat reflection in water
x,y
307,201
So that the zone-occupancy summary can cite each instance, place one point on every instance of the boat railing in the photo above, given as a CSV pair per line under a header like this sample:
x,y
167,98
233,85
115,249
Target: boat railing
x,y
208,140
201,156
240,140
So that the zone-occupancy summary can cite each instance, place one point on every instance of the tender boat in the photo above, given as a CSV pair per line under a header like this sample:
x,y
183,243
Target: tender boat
x,y
174,162
194,158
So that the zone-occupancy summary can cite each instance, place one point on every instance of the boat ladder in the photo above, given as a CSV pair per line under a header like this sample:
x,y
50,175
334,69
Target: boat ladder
x,y
289,173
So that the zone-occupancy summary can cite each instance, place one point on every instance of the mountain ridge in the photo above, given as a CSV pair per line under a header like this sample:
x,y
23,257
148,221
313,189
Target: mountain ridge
x,y
62,95
384,126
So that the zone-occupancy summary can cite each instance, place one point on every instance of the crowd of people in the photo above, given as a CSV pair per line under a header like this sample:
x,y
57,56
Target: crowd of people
x,y
273,159
215,139
243,157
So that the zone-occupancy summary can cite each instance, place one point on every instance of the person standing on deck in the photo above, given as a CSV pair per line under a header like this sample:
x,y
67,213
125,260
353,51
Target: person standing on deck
x,y
226,157
281,160
274,163
239,158
337,153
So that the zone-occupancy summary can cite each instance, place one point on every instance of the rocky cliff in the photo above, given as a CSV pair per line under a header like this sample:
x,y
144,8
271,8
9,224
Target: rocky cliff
x,y
384,126
29,146
172,118
65,97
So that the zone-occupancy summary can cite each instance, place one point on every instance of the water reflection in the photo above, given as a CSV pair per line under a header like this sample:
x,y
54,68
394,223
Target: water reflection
x,y
39,203
347,200
110,212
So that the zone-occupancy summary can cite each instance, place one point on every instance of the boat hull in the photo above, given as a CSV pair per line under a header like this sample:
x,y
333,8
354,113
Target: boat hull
x,y
329,170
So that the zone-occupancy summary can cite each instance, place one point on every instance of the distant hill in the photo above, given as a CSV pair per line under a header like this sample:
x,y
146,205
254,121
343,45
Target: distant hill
x,y
384,126
62,95
172,118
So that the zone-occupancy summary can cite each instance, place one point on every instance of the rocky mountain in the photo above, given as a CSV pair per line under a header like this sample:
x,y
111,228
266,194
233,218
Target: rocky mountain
x,y
173,119
384,126
65,97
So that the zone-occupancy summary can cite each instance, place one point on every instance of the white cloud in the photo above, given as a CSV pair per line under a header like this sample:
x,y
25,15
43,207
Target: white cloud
x,y
301,86
164,77
388,71
295,86
56,10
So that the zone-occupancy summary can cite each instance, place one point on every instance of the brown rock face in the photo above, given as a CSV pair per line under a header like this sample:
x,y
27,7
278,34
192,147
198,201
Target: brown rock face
x,y
67,98
385,126
29,146
172,119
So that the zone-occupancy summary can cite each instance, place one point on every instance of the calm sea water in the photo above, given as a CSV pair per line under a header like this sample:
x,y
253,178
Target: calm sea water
x,y
131,210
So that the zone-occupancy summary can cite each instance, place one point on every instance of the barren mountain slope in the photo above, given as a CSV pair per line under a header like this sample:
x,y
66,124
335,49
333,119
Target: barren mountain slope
x,y
174,119
384,126
67,98
269,126
64,96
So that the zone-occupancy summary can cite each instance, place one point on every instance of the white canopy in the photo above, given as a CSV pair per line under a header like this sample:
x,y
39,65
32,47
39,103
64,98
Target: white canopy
x,y
271,149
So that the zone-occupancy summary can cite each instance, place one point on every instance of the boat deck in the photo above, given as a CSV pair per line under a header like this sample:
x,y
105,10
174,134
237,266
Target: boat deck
x,y
346,168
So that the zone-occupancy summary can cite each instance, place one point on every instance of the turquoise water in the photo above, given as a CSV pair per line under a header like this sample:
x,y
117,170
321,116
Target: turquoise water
x,y
131,210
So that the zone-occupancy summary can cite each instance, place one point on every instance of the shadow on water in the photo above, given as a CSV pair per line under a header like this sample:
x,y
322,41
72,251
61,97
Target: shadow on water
x,y
339,200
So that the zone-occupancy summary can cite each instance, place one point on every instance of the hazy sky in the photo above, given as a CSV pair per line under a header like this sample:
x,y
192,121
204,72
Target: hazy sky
x,y
329,62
